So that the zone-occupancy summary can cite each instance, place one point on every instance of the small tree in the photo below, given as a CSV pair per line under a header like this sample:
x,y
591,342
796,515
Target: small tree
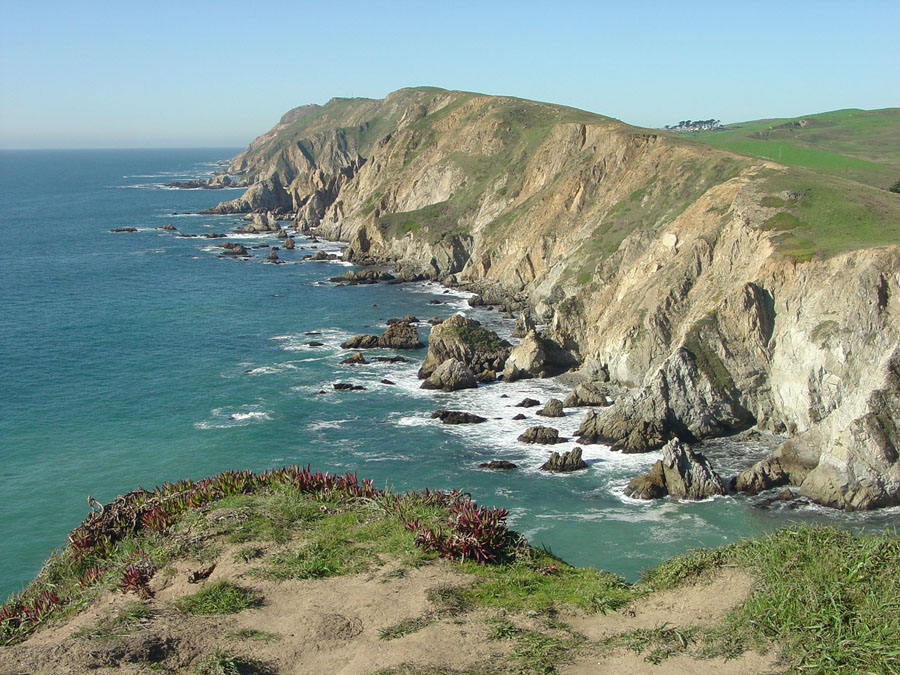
x,y
895,187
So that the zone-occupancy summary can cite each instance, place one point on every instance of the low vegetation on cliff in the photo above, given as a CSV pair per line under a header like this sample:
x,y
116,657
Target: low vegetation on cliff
x,y
228,573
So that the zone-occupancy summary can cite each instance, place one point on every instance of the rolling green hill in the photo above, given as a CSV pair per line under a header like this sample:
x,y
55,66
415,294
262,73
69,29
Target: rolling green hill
x,y
862,145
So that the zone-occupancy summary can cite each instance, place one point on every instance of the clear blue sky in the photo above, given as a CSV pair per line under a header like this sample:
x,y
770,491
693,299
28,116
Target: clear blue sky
x,y
144,74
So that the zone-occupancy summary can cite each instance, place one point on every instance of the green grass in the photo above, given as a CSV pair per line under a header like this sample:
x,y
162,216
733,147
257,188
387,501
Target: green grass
x,y
831,600
826,216
862,145
218,597
221,662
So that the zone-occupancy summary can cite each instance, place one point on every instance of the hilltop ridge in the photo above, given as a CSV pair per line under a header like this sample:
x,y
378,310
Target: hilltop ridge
x,y
724,291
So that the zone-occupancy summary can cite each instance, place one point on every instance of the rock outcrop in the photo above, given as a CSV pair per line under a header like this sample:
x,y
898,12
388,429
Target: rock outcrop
x,y
457,417
536,356
467,341
564,463
587,394
681,473
450,376
542,435
552,408
399,335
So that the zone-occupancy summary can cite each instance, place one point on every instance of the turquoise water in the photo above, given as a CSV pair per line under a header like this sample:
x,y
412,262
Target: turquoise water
x,y
131,359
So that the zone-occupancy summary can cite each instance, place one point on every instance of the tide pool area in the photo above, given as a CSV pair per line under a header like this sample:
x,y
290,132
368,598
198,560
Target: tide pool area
x,y
140,357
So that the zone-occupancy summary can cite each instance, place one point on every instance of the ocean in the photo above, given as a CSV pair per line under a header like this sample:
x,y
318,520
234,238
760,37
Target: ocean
x,y
135,358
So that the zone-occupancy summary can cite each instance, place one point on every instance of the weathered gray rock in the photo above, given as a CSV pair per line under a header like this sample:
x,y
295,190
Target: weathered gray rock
x,y
232,248
289,244
467,341
690,398
360,342
450,376
457,417
367,275
527,403
355,359
681,473
587,394
498,464
536,356
400,335
322,255
552,408
568,461
524,325
542,435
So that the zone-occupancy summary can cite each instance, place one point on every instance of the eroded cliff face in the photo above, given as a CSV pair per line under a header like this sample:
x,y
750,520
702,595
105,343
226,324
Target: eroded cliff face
x,y
665,264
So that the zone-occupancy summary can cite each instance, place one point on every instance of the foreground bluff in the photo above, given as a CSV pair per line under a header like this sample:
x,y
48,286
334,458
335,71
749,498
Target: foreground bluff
x,y
724,292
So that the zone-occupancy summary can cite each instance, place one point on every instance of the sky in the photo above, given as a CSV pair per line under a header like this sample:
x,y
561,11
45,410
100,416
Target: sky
x,y
133,73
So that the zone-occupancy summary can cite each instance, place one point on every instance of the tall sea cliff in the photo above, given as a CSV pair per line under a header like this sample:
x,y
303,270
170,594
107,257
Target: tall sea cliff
x,y
722,291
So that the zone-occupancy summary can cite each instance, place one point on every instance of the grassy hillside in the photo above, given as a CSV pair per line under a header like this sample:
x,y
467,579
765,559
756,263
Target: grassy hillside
x,y
816,599
862,145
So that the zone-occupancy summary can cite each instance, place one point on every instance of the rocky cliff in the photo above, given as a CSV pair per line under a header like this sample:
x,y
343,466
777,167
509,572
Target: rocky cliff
x,y
723,291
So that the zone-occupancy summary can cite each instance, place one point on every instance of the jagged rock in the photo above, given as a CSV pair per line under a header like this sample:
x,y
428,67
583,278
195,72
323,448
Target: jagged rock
x,y
486,376
281,234
321,255
435,320
568,461
688,398
552,408
467,341
450,376
346,386
232,248
289,244
535,356
587,394
543,435
520,416
409,318
273,256
360,342
527,403
168,226
356,358
390,359
763,475
211,235
367,275
524,325
400,335
124,229
457,417
498,464
681,473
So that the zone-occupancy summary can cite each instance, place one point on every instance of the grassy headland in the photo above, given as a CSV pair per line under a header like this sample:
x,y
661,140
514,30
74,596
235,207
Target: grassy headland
x,y
819,599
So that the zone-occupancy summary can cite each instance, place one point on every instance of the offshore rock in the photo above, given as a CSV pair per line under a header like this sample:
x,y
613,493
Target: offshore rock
x,y
527,403
568,461
536,356
457,417
399,335
356,358
450,376
587,394
681,473
231,248
364,276
289,244
552,408
498,464
467,341
542,435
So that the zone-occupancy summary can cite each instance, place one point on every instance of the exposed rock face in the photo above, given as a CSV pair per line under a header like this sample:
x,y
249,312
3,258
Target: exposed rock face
x,y
587,394
231,248
527,403
711,316
680,473
524,325
689,398
457,417
568,461
552,408
450,376
356,358
543,435
399,335
535,356
289,244
467,341
322,255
